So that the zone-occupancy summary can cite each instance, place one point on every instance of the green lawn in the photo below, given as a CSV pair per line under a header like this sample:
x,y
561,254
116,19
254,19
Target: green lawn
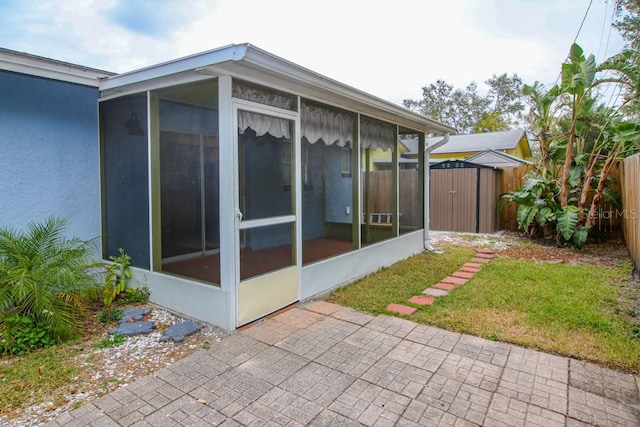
x,y
578,310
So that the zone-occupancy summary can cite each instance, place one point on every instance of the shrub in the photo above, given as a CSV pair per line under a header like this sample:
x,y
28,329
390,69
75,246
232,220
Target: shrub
x,y
22,336
118,272
136,295
109,315
46,278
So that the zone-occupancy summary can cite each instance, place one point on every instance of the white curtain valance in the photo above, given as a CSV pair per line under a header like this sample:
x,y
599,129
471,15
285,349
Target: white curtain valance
x,y
330,127
375,134
261,124
262,97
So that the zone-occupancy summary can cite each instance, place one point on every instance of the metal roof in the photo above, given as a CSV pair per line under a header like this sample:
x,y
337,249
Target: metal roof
x,y
250,63
496,158
507,140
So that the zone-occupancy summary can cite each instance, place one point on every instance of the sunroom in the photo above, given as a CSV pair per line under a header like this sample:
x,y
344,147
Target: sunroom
x,y
241,183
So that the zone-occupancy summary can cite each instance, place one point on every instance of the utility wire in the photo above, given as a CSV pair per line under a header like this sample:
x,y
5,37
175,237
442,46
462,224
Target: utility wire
x,y
583,19
604,21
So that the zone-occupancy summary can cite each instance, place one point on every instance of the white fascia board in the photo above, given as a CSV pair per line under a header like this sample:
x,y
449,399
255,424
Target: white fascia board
x,y
309,78
186,64
245,60
47,68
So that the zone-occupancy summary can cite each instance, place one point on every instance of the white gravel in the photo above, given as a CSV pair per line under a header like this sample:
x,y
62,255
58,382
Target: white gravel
x,y
111,368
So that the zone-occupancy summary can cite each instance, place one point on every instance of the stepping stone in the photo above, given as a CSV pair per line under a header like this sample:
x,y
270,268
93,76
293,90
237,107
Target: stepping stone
x,y
454,280
472,264
130,314
135,328
480,260
401,309
485,251
470,269
463,274
434,292
485,256
444,286
421,300
177,332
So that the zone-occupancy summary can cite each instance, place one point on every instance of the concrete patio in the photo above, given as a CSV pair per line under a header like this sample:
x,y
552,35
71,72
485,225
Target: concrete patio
x,y
322,364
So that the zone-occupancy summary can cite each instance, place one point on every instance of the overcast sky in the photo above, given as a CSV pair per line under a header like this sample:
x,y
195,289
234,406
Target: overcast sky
x,y
388,48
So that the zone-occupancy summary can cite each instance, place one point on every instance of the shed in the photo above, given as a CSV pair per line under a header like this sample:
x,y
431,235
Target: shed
x,y
463,197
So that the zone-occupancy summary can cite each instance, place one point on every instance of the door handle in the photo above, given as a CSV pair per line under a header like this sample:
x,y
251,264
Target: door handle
x,y
239,215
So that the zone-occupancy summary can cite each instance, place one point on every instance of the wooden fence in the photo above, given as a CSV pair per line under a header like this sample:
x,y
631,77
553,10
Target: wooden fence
x,y
609,219
630,183
511,179
409,199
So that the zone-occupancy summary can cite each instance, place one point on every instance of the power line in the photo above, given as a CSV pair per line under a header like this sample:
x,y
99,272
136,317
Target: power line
x,y
584,18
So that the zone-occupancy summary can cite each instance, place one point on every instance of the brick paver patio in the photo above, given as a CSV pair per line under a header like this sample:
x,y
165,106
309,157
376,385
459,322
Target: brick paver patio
x,y
321,364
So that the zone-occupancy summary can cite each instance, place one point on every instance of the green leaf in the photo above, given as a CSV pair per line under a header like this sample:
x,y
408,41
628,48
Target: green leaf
x,y
525,216
576,53
580,236
568,221
546,215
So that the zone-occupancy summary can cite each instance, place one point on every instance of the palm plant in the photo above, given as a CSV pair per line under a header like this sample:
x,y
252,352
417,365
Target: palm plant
x,y
46,277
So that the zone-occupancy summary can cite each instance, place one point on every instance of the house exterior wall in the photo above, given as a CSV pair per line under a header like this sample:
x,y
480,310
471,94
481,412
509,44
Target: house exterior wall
x,y
49,158
450,156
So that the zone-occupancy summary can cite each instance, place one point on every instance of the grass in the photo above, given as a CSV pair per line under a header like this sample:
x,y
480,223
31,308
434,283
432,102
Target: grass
x,y
41,377
572,310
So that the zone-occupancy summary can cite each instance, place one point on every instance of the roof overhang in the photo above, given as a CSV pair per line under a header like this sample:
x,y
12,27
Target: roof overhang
x,y
24,63
255,65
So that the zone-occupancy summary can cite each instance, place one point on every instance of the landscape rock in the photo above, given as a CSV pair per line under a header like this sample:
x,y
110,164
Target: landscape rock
x,y
133,313
133,328
180,330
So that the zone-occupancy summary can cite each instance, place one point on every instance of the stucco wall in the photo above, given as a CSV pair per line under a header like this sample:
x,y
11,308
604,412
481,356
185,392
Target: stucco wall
x,y
49,153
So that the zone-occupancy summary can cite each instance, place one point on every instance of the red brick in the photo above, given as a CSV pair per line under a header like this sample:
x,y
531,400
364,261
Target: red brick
x,y
421,300
454,280
485,251
435,292
486,256
472,264
470,269
463,274
444,286
401,309
480,260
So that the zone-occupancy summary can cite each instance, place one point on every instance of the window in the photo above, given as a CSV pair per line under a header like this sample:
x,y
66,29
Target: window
x,y
286,166
345,168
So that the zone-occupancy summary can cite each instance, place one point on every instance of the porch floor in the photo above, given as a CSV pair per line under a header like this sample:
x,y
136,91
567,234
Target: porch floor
x,y
253,263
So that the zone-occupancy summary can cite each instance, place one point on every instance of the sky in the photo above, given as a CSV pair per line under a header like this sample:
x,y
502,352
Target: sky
x,y
390,49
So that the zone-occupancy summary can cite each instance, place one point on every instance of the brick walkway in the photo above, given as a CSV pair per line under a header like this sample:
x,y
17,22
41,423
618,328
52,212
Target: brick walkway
x,y
447,284
325,365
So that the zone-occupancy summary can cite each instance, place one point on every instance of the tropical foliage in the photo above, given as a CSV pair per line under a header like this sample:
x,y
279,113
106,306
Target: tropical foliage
x,y
46,281
581,139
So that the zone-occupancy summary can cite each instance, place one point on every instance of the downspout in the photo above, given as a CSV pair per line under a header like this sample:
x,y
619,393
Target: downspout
x,y
427,151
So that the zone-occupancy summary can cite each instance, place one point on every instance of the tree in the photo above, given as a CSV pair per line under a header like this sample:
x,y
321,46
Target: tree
x,y
469,111
628,25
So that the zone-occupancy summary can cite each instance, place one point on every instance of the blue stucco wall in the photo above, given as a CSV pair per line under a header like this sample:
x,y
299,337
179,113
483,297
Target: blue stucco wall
x,y
339,188
49,156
